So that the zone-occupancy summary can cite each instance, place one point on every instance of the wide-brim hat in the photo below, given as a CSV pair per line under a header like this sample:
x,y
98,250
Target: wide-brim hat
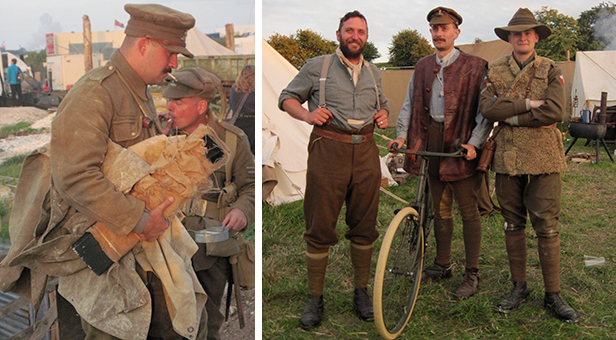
x,y
162,24
522,21
191,82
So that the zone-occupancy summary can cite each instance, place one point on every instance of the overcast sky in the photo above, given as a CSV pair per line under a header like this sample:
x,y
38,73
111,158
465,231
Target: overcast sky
x,y
387,18
24,23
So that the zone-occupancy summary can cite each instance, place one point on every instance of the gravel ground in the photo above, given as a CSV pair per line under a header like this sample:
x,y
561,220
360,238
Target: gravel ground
x,y
16,145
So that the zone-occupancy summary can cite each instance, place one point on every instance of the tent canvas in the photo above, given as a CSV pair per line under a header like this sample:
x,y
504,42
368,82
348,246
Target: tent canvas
x,y
200,44
284,139
595,72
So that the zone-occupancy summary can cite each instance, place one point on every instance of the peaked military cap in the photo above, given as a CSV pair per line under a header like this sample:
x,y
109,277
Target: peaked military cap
x,y
443,16
522,21
191,82
161,24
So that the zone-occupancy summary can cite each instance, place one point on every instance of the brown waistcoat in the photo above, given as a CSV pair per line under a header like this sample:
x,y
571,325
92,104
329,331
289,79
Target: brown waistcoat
x,y
462,81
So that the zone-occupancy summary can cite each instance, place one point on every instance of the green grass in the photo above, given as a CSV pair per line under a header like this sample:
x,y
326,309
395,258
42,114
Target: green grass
x,y
586,228
19,127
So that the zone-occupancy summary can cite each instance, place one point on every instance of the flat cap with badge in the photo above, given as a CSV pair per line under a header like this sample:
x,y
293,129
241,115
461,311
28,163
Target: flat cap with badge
x,y
161,24
443,16
191,82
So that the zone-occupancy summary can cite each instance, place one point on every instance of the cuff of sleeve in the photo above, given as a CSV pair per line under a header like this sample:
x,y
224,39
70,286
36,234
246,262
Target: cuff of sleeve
x,y
514,121
521,105
475,142
142,222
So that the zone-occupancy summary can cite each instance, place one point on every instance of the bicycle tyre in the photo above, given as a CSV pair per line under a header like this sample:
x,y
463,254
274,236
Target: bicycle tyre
x,y
398,273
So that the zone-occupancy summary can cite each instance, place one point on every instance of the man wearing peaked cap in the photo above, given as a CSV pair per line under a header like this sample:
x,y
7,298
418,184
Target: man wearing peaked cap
x,y
231,201
112,103
448,79
525,93
161,24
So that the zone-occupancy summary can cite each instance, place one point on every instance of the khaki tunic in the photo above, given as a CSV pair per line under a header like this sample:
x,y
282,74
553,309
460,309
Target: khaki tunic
x,y
213,271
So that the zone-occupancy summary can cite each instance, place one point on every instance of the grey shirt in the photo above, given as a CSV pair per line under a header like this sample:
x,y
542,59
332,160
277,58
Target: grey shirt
x,y
437,106
353,106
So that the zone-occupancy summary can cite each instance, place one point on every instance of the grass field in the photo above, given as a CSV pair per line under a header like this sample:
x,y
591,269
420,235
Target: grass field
x,y
586,228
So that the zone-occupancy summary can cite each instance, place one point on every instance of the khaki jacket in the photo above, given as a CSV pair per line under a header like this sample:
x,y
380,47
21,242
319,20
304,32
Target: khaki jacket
x,y
99,108
241,191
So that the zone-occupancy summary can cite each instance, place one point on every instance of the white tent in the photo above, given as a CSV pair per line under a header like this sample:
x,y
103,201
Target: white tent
x,y
200,44
285,139
595,72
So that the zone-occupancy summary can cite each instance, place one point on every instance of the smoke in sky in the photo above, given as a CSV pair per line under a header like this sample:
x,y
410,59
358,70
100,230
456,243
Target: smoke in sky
x,y
47,26
605,28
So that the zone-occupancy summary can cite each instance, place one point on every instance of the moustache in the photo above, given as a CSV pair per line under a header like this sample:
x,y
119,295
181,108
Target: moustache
x,y
435,40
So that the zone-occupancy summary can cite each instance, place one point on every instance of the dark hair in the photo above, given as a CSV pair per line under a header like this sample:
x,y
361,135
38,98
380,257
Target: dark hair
x,y
14,61
354,14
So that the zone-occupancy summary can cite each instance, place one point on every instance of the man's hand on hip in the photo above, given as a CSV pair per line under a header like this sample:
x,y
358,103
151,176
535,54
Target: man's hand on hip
x,y
319,116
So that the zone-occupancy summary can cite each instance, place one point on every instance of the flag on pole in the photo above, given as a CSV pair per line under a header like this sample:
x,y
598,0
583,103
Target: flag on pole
x,y
119,24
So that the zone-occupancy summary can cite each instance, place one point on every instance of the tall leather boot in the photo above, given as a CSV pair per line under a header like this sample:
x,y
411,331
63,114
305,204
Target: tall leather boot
x,y
515,242
361,256
316,261
549,256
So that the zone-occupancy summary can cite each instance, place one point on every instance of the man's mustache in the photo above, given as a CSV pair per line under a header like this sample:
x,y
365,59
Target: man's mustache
x,y
437,39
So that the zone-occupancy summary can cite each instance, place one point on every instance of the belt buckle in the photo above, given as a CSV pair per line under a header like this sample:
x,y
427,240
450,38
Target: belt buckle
x,y
356,139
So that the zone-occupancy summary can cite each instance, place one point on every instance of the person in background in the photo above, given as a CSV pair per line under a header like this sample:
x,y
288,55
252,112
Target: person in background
x,y
242,100
14,77
189,93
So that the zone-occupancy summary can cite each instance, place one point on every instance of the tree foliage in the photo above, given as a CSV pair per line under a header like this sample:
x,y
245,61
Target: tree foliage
x,y
371,52
303,45
407,47
564,35
597,27
37,60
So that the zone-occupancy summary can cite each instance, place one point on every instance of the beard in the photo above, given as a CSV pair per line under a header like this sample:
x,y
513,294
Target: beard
x,y
344,47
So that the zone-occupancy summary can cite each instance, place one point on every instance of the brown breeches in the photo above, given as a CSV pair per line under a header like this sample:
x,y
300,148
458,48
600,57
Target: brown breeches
x,y
341,173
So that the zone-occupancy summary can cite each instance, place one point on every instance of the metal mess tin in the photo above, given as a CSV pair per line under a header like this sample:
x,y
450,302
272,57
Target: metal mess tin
x,y
211,235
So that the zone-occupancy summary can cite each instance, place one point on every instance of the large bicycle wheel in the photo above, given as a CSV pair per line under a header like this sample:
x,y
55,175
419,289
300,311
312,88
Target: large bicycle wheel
x,y
398,273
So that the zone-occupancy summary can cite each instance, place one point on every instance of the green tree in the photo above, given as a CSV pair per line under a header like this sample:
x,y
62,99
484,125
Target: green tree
x,y
371,52
303,45
564,37
596,27
36,60
407,47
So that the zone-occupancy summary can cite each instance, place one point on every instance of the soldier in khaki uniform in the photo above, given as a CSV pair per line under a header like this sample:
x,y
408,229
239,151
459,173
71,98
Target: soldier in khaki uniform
x,y
113,102
525,93
231,201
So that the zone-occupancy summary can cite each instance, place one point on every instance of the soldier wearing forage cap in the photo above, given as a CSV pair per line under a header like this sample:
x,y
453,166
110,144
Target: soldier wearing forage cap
x,y
113,102
231,201
525,93
440,107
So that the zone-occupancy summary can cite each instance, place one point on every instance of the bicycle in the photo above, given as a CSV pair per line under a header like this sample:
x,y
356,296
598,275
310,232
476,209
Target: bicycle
x,y
401,258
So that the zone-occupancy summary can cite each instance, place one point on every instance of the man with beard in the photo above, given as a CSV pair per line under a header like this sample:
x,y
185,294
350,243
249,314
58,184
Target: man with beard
x,y
440,107
345,101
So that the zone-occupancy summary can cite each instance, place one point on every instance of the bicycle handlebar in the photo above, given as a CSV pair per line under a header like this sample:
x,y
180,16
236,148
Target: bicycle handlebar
x,y
460,151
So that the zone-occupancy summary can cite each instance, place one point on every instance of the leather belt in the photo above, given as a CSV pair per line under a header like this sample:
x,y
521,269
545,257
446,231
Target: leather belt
x,y
341,137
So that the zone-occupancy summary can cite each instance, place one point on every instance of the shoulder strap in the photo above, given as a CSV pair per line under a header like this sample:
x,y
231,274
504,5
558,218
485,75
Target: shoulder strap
x,y
237,110
323,78
231,141
376,88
